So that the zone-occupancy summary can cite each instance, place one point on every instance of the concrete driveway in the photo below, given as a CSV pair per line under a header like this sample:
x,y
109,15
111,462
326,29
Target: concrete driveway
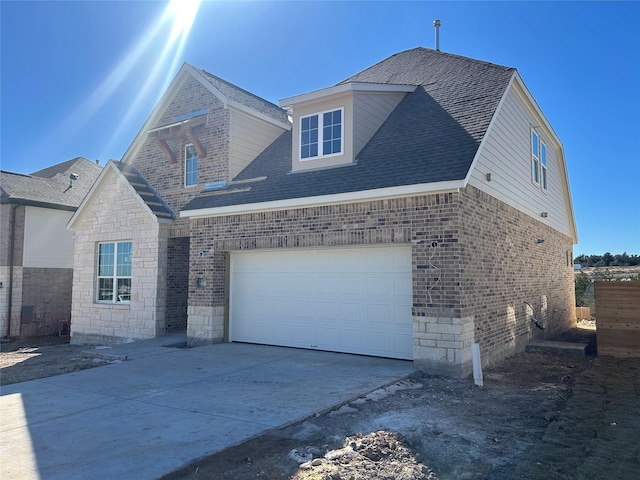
x,y
165,407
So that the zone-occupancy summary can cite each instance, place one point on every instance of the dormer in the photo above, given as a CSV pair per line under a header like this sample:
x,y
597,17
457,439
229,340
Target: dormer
x,y
332,125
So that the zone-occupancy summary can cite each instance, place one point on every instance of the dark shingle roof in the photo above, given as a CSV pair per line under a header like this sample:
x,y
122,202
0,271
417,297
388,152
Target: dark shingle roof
x,y
148,195
50,186
243,97
431,136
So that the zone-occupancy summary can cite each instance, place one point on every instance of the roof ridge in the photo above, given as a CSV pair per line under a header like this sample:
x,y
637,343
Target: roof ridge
x,y
463,57
426,50
233,85
16,173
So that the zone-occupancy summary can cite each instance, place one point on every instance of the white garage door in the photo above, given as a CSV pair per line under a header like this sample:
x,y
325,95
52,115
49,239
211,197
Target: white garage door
x,y
354,300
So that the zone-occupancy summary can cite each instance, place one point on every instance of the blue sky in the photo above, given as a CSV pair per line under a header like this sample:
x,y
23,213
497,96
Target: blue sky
x,y
79,78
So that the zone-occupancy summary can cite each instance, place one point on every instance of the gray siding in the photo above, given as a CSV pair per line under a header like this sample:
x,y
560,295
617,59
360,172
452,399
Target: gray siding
x,y
506,154
249,137
370,110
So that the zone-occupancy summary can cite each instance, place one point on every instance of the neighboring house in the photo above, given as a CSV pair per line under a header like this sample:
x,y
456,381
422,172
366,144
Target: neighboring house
x,y
36,249
408,211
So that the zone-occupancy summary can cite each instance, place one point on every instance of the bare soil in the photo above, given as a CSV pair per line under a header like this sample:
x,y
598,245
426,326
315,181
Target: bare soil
x,y
538,416
41,357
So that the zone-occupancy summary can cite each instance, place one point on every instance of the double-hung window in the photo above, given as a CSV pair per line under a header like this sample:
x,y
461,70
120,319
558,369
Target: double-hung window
x,y
190,166
114,272
535,158
321,134
538,161
543,165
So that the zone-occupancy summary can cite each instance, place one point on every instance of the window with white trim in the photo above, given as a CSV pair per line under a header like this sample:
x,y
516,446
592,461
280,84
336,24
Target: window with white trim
x,y
321,134
114,272
535,158
543,165
190,166
538,161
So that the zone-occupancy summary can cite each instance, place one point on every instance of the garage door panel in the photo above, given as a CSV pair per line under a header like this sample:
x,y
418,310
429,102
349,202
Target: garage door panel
x,y
403,344
328,284
380,314
305,284
327,310
354,300
378,259
303,308
282,307
334,260
379,285
402,285
379,342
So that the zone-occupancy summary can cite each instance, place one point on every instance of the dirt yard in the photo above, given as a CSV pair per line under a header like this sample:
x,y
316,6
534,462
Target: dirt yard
x,y
538,416
42,357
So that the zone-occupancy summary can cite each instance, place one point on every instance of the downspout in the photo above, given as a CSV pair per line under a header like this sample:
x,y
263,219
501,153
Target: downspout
x,y
11,256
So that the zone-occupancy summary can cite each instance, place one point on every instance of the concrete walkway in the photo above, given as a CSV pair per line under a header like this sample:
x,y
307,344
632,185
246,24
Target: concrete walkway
x,y
165,407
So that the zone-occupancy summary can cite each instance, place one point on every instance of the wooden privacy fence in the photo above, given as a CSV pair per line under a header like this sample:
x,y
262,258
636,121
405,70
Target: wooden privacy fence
x,y
618,318
583,313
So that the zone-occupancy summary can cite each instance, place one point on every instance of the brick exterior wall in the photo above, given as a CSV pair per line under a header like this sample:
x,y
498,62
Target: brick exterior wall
x,y
474,258
118,215
503,266
177,283
168,179
48,290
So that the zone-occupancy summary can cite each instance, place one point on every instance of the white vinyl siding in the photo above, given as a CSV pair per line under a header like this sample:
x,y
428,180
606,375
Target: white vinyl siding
x,y
370,110
353,300
249,137
506,154
47,242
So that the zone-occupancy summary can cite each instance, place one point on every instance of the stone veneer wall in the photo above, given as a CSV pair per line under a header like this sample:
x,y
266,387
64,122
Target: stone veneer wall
x,y
5,243
16,302
475,261
118,215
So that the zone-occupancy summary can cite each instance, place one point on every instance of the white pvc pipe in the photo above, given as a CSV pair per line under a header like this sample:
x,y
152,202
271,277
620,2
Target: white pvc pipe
x,y
477,364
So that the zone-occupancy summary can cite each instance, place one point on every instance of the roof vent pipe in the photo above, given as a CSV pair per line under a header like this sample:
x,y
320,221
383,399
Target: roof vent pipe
x,y
436,25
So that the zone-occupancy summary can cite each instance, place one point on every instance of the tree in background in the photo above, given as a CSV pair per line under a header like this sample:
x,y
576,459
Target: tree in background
x,y
584,291
608,260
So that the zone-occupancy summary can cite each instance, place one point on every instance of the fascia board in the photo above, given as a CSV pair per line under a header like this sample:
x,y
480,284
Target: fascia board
x,y
137,197
352,197
232,103
206,84
97,186
257,114
534,106
563,163
567,195
36,203
346,87
88,198
487,133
